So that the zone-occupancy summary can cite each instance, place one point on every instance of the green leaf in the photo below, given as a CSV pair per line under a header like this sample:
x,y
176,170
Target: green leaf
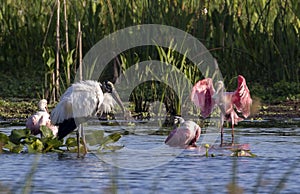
x,y
112,138
36,146
3,139
111,147
52,144
71,142
70,57
13,147
18,134
47,133
49,57
29,140
94,138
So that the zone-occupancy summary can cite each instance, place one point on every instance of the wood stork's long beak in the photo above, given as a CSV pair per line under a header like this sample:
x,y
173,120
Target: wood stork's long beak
x,y
117,98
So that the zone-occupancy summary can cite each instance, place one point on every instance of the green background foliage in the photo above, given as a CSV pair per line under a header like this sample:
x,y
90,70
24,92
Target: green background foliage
x,y
258,39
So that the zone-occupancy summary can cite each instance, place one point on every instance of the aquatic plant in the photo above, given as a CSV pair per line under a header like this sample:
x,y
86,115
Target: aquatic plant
x,y
21,140
256,38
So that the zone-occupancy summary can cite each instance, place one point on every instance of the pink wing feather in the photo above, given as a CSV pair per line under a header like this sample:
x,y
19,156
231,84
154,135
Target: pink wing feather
x,y
241,97
201,95
180,137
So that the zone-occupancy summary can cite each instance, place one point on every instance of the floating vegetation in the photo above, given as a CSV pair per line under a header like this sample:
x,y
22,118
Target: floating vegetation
x,y
21,141
242,153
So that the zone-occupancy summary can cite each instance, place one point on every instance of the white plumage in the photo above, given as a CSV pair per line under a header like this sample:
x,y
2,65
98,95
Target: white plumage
x,y
81,101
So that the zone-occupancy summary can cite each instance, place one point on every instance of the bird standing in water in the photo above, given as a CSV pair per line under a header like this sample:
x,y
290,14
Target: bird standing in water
x,y
80,102
184,135
235,106
40,118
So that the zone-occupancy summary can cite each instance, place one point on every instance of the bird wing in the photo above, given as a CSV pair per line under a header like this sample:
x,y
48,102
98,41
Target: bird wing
x,y
170,135
81,100
179,137
32,122
194,132
44,117
187,134
201,95
241,97
36,120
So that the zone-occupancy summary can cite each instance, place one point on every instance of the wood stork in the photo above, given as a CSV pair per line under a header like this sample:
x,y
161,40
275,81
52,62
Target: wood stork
x,y
184,135
235,106
42,117
81,101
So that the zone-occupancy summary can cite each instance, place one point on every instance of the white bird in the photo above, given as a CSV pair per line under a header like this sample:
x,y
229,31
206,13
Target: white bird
x,y
185,135
81,101
40,118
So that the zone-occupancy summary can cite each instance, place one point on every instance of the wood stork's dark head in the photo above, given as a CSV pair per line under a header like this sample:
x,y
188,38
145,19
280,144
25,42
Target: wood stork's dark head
x,y
109,87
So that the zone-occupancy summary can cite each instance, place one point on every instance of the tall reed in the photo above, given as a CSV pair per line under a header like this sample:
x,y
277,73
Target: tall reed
x,y
259,39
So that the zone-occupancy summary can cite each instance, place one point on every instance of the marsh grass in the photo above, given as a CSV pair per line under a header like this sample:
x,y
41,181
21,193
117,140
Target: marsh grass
x,y
259,39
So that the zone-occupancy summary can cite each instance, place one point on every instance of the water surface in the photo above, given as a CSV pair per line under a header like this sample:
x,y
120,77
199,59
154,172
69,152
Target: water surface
x,y
276,167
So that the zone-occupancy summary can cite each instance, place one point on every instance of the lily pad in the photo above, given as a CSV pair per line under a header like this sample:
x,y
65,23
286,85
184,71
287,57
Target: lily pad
x,y
18,134
36,146
47,133
71,142
13,147
94,138
3,139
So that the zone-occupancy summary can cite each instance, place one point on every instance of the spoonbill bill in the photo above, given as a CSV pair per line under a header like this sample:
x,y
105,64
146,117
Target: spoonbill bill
x,y
184,135
235,106
80,102
42,117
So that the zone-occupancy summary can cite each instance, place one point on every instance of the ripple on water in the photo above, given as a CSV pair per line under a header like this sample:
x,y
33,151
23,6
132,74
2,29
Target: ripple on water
x,y
188,172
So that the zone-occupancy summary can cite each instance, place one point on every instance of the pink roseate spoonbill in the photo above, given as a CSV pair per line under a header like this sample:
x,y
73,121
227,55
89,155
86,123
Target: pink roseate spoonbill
x,y
235,106
80,102
42,117
184,135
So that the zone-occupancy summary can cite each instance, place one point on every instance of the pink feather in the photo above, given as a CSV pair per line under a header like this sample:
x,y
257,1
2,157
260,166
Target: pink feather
x,y
201,95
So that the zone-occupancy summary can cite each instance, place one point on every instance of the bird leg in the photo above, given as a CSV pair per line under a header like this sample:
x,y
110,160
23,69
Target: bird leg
x,y
83,140
232,129
232,133
221,135
80,128
222,130
78,142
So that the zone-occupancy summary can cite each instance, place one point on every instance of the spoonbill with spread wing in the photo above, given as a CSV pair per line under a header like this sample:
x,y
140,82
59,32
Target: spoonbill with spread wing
x,y
234,106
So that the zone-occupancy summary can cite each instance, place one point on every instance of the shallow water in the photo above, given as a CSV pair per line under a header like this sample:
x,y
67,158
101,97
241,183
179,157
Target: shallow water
x,y
147,165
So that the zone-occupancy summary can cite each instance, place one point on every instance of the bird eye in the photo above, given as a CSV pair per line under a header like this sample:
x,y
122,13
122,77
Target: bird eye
x,y
107,86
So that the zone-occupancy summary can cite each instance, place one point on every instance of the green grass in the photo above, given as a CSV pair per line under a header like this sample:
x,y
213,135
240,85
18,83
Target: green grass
x,y
258,39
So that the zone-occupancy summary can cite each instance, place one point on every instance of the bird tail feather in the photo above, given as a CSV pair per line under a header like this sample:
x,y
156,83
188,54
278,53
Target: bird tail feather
x,y
66,127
